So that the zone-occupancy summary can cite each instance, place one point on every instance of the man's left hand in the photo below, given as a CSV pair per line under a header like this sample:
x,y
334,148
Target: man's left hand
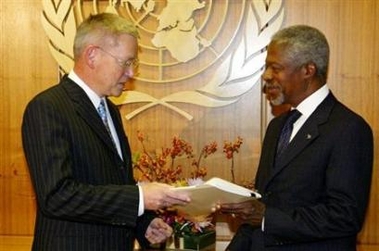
x,y
158,231
251,212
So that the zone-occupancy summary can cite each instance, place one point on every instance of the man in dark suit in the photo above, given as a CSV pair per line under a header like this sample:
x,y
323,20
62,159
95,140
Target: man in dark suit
x,y
315,192
80,160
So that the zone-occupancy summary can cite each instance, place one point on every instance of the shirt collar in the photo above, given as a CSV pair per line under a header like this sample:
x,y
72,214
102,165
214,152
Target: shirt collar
x,y
95,99
309,105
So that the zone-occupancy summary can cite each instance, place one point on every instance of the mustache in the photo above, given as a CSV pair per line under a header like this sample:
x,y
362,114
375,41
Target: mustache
x,y
274,93
270,86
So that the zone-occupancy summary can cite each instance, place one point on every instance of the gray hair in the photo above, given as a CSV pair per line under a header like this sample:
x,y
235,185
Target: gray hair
x,y
98,29
303,44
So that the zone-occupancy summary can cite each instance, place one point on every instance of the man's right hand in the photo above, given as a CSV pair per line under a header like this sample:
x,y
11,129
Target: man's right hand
x,y
160,195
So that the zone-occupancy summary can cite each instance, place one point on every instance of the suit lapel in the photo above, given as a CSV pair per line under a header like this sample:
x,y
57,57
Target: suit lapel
x,y
303,138
87,111
306,135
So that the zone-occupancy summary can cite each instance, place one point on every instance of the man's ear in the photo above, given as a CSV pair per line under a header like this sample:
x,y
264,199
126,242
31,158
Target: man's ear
x,y
90,53
309,70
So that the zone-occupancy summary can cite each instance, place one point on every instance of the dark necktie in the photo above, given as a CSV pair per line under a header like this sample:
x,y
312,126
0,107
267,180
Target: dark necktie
x,y
286,132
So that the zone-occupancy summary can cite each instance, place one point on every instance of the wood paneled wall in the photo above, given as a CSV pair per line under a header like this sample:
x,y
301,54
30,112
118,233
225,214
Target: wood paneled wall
x,y
26,68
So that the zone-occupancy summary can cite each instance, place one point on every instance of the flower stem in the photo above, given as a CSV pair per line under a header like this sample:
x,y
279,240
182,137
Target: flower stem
x,y
232,170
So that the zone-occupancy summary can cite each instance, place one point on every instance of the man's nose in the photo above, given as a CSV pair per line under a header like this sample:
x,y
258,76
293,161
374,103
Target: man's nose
x,y
267,74
130,72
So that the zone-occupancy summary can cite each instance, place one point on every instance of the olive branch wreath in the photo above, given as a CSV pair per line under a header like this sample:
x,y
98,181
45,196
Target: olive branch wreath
x,y
235,76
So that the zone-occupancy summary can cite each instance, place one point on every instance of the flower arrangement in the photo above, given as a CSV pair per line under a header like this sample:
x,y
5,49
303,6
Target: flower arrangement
x,y
160,166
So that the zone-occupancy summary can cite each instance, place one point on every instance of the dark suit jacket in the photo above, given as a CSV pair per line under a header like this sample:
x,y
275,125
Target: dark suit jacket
x,y
317,192
86,194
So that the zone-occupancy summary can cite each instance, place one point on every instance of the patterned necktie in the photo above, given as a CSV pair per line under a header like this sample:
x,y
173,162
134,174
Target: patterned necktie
x,y
103,114
286,132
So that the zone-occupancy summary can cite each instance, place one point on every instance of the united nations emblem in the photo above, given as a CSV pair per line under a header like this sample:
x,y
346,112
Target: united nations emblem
x,y
180,40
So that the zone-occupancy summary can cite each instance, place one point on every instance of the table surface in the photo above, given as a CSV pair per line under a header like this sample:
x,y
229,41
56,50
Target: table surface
x,y
24,243
219,246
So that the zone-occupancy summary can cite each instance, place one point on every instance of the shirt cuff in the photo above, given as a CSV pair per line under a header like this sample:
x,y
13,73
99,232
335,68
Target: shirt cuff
x,y
141,206
263,224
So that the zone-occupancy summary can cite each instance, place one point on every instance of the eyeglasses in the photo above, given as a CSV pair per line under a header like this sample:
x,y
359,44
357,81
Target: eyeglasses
x,y
124,64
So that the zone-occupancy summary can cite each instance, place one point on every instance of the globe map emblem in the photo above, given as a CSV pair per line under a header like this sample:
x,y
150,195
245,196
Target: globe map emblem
x,y
180,39
221,44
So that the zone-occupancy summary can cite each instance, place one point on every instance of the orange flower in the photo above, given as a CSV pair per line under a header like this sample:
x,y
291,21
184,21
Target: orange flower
x,y
229,149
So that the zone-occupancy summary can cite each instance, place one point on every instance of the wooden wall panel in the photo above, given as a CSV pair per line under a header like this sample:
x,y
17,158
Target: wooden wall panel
x,y
26,68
